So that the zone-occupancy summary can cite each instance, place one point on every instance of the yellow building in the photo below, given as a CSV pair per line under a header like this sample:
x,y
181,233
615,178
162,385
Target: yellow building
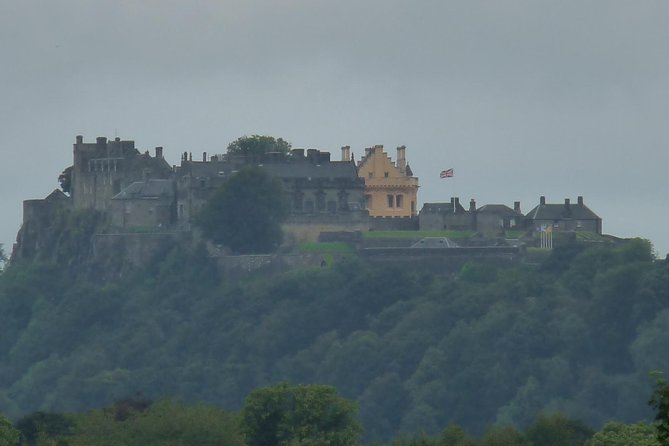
x,y
391,190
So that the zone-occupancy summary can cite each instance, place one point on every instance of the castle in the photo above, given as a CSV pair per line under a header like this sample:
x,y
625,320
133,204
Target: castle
x,y
140,192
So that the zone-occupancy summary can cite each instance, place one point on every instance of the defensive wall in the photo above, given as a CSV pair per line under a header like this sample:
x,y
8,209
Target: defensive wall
x,y
440,260
308,227
234,266
394,223
135,249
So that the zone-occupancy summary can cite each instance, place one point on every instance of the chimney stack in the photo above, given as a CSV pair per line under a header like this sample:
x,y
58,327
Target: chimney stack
x,y
580,200
80,139
566,202
159,152
378,148
204,157
346,153
516,206
472,205
401,159
312,155
542,200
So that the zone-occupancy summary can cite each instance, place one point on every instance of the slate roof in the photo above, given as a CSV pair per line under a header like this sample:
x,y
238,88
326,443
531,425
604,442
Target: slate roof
x,y
441,208
499,209
57,194
561,212
306,169
286,169
152,189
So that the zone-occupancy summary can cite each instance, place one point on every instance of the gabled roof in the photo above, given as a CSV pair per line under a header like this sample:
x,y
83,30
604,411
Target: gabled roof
x,y
56,195
287,168
561,212
442,208
306,169
499,209
151,189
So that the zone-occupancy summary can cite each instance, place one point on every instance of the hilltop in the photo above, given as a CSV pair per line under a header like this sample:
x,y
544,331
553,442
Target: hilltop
x,y
415,349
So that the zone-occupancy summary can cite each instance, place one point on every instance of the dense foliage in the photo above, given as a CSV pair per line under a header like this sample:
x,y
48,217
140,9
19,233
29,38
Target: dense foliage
x,y
246,213
416,351
255,146
279,419
660,402
286,415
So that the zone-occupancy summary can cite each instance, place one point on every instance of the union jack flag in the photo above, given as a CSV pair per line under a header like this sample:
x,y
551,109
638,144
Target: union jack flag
x,y
446,173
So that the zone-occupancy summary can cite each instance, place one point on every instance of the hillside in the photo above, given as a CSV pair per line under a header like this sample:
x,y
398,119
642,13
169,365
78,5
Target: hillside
x,y
578,334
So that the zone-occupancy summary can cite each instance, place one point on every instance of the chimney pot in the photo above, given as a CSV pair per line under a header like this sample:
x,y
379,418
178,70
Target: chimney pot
x,y
542,200
204,157
346,153
516,206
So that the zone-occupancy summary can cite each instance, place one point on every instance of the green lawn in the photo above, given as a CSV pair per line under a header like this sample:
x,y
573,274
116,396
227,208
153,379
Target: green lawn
x,y
416,234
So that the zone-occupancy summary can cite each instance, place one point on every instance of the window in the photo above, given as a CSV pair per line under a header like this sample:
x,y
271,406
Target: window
x,y
320,201
368,201
332,206
370,175
391,201
399,201
385,174
298,201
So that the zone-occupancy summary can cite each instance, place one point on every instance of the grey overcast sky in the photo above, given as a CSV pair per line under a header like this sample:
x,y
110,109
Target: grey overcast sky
x,y
521,98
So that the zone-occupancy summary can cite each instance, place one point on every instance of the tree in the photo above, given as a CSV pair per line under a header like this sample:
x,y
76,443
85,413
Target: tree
x,y
255,146
619,434
43,425
558,430
65,180
660,402
9,436
306,415
454,435
165,422
245,214
503,436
